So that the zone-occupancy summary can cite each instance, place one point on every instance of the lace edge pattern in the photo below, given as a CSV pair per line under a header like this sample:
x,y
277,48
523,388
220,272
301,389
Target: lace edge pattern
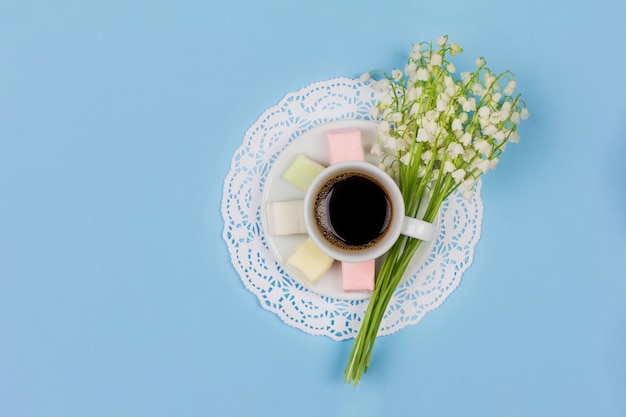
x,y
314,105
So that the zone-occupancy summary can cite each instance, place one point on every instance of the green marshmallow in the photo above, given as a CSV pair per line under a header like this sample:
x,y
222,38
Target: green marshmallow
x,y
302,171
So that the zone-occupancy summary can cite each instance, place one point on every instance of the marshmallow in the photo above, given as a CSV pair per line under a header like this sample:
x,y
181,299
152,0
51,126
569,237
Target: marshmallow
x,y
358,276
345,145
285,217
301,171
309,262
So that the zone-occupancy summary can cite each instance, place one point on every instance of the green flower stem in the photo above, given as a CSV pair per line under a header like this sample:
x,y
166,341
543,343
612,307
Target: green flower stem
x,y
394,266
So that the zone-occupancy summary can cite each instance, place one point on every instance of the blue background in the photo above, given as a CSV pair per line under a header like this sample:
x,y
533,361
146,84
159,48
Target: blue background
x,y
118,121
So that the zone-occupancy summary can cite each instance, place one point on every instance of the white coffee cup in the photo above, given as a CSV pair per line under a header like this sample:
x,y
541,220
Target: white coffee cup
x,y
344,183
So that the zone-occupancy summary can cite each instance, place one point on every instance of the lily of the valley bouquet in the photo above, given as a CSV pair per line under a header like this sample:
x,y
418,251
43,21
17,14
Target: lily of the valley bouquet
x,y
439,132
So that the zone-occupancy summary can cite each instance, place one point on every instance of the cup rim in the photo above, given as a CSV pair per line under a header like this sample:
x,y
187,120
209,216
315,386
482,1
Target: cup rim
x,y
397,217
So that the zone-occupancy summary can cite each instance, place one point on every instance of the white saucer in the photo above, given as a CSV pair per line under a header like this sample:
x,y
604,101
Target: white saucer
x,y
313,144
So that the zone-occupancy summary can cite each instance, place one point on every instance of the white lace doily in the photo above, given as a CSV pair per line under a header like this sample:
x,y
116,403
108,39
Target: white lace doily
x,y
295,304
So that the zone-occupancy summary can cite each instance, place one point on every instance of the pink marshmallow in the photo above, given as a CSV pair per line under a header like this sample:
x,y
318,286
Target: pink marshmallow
x,y
345,145
358,276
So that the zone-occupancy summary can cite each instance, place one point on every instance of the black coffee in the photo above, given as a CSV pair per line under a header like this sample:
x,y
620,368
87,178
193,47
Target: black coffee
x,y
352,211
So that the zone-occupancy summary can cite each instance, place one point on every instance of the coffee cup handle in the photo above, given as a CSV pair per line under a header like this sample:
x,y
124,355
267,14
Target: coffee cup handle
x,y
418,229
